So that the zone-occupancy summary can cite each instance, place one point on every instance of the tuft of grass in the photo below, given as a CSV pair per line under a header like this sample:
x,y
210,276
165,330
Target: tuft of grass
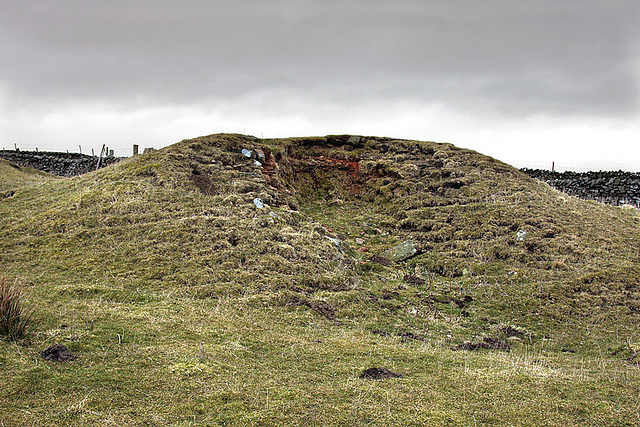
x,y
14,317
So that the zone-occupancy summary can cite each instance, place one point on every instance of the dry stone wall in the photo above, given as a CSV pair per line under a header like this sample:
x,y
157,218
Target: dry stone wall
x,y
612,187
61,164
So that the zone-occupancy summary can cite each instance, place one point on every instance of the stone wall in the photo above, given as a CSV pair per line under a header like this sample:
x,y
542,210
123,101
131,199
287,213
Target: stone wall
x,y
615,188
61,164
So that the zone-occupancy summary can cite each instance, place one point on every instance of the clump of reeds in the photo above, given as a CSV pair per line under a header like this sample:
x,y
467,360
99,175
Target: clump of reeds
x,y
14,317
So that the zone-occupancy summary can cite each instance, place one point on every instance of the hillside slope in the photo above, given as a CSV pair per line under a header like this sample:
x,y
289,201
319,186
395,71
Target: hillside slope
x,y
12,176
232,280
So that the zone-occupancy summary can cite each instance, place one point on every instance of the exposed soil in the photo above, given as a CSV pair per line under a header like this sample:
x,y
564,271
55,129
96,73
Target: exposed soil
x,y
405,336
630,355
203,182
462,303
387,295
381,260
414,280
488,343
512,332
324,309
58,353
379,374
269,166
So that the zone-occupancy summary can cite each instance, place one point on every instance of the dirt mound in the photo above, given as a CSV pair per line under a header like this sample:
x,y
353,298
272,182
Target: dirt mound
x,y
58,353
379,374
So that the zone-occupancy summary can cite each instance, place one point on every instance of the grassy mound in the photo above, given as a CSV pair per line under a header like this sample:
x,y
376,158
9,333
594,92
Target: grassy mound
x,y
228,280
13,177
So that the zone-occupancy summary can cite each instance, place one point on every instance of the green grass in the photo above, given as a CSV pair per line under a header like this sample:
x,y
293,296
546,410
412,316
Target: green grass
x,y
14,176
182,299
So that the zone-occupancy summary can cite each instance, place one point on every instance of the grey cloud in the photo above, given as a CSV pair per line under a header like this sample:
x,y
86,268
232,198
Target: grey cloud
x,y
511,57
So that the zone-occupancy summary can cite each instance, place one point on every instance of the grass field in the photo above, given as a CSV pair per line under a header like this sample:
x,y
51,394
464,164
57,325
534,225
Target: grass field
x,y
203,285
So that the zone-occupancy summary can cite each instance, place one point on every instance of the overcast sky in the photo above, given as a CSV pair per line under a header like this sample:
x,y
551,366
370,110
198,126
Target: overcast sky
x,y
520,80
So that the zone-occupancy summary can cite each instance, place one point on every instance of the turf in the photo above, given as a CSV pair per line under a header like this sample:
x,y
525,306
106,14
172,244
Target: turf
x,y
203,285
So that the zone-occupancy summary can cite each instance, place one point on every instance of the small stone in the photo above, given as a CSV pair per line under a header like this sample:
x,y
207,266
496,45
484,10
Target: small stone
x,y
336,242
359,241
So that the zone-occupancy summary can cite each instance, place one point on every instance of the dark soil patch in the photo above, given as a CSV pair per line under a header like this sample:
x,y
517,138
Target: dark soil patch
x,y
512,332
462,303
488,343
387,295
630,356
414,280
336,287
379,374
381,260
203,182
58,353
324,309
405,336
297,289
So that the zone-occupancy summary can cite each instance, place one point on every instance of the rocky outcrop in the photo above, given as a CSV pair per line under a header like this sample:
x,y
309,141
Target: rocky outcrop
x,y
61,164
611,187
